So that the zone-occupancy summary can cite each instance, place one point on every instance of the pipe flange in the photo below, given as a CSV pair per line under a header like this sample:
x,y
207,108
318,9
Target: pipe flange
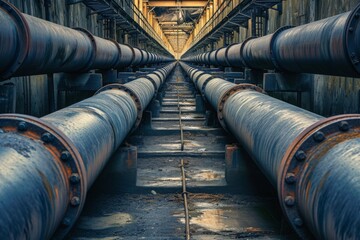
x,y
66,154
296,160
274,60
134,97
228,94
163,72
352,27
142,57
192,71
160,77
216,59
198,76
24,33
153,82
226,54
202,90
91,60
133,53
118,62
242,51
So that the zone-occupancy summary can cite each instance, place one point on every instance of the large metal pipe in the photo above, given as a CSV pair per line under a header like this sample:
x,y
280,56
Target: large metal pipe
x,y
329,46
30,45
47,165
313,162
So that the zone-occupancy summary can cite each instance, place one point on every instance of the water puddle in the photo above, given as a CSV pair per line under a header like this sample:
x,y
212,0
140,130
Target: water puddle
x,y
107,221
206,175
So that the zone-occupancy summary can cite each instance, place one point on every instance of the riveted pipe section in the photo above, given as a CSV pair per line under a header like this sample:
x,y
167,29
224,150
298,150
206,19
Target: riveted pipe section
x,y
30,45
329,46
48,164
312,161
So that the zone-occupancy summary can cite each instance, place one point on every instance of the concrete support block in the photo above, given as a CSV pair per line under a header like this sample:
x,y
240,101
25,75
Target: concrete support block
x,y
287,82
108,76
253,76
123,167
155,107
123,77
79,82
242,173
232,163
200,105
211,119
146,121
301,84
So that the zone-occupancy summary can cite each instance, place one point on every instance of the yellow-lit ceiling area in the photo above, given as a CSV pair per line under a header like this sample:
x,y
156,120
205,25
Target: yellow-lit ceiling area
x,y
176,20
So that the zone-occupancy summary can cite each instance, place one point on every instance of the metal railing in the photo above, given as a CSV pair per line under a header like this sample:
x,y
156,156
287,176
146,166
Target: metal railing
x,y
236,12
221,13
126,10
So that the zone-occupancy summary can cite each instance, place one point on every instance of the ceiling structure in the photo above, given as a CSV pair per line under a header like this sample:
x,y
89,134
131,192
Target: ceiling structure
x,y
177,18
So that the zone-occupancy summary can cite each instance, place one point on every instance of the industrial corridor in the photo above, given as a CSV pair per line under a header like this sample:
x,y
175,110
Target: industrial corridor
x,y
183,119
140,194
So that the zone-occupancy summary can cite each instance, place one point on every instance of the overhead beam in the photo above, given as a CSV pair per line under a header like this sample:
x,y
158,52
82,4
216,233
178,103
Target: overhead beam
x,y
183,3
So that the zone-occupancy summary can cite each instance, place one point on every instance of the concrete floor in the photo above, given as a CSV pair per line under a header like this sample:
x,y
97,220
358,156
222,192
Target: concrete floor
x,y
145,201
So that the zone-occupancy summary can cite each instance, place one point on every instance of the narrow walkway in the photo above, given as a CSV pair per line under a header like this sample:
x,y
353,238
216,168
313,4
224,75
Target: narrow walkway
x,y
146,202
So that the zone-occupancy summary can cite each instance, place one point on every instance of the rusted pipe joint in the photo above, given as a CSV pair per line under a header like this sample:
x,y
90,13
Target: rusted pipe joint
x,y
93,52
228,94
134,97
352,33
295,162
197,76
66,154
202,90
152,81
23,36
118,62
274,60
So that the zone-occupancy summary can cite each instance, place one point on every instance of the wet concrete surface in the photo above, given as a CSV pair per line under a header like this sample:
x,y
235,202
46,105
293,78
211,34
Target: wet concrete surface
x,y
141,199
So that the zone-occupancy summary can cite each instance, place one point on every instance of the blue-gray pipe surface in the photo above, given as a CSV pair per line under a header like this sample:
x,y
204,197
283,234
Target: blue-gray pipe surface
x,y
35,183
328,46
328,189
30,45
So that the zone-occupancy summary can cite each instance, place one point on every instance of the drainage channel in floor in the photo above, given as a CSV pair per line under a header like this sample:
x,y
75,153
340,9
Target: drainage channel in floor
x,y
140,194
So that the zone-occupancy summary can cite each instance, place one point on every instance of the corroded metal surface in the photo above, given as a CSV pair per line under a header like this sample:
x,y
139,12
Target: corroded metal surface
x,y
153,208
48,164
310,159
328,146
